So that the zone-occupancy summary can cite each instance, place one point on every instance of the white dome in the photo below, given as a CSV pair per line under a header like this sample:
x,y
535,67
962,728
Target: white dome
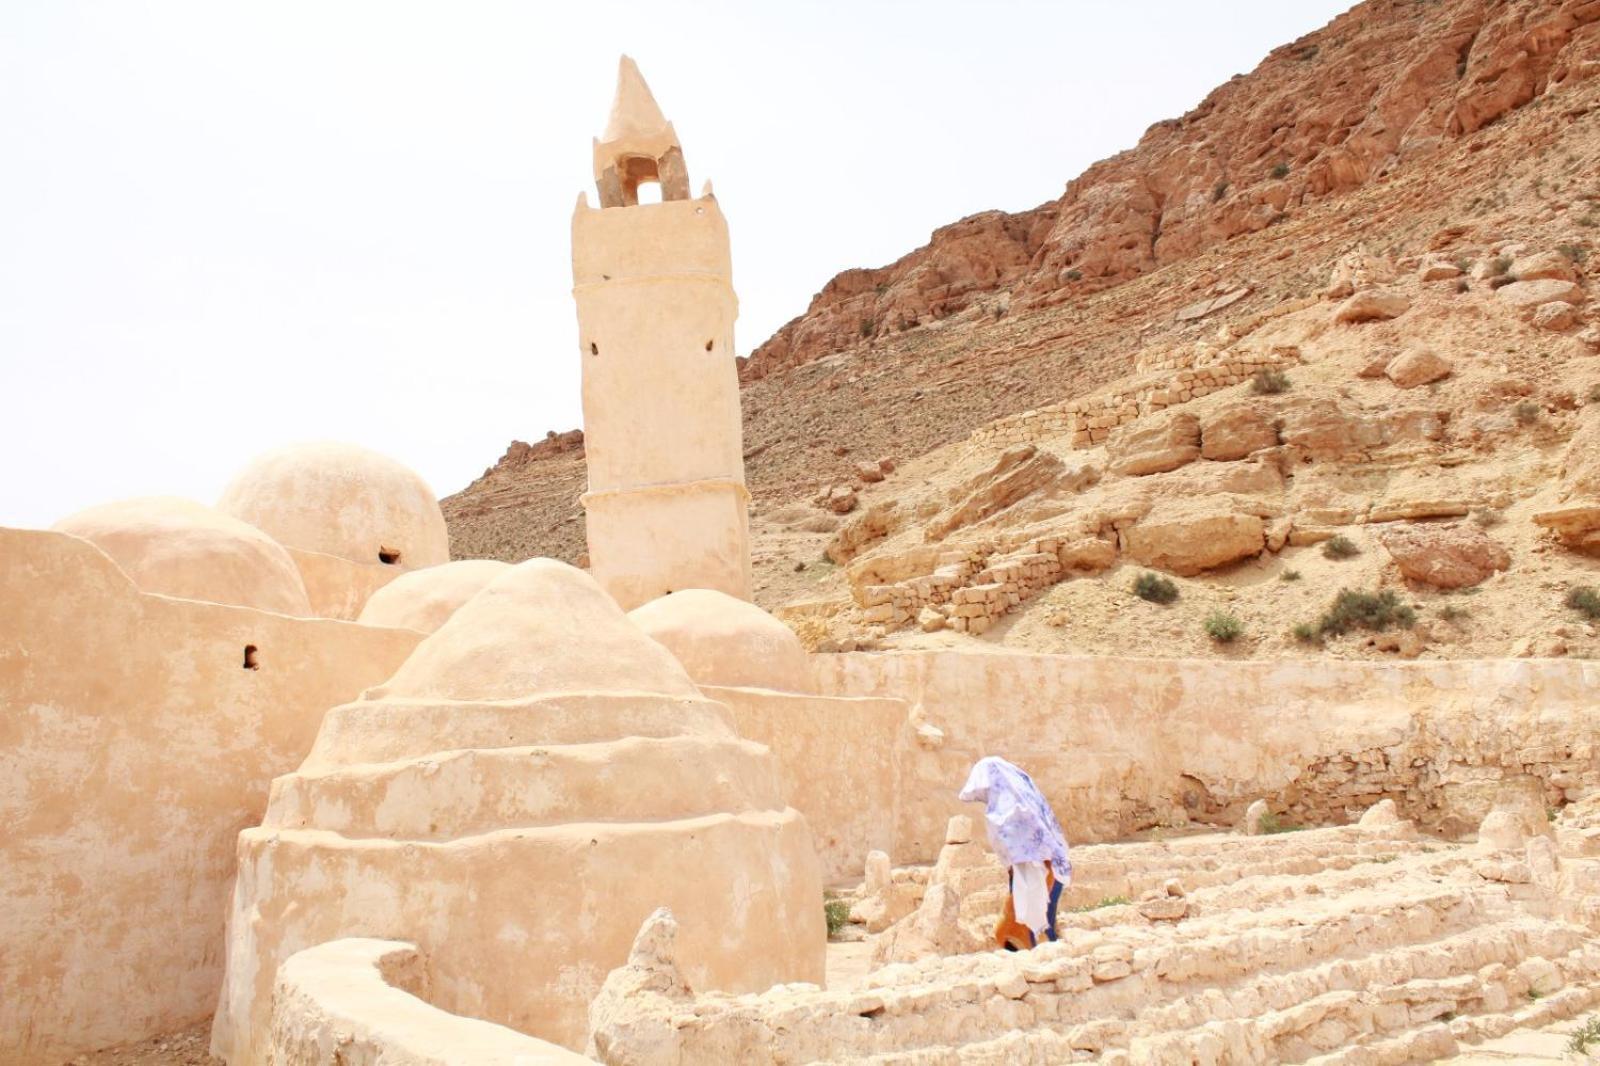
x,y
424,600
341,500
722,640
181,548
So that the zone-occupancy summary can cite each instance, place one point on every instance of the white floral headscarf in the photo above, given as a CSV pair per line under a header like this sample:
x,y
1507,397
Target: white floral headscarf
x,y
1022,827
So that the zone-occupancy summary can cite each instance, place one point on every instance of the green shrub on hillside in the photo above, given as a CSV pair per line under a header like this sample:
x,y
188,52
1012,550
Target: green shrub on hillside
x,y
1155,588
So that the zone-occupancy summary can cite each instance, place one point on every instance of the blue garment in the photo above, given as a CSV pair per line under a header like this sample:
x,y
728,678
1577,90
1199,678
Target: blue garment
x,y
1022,827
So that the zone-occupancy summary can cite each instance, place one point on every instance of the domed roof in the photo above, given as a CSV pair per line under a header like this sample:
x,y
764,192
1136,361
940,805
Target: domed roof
x,y
181,548
424,600
536,738
541,628
341,500
722,640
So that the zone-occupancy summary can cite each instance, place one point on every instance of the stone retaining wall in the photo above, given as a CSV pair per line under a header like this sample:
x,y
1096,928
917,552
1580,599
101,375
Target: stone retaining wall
x,y
1120,745
972,589
1090,419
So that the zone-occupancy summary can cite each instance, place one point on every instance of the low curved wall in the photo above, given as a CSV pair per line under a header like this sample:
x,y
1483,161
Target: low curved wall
x,y
362,1002
1124,744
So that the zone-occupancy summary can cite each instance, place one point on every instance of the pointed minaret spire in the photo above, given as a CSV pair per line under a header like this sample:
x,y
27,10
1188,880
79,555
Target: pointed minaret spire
x,y
639,145
634,111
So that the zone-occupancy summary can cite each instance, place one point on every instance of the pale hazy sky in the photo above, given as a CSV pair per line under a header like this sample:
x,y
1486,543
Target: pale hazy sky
x,y
229,225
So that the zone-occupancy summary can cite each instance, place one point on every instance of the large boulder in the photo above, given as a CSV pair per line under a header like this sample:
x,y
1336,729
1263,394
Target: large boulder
x,y
1576,522
1155,445
1017,473
1188,537
1444,556
1418,366
1237,431
1530,295
1323,429
1436,269
1577,525
1372,305
1555,316
1544,266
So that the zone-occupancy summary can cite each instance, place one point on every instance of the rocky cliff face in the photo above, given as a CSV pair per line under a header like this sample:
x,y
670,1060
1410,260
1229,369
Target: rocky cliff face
x,y
1380,87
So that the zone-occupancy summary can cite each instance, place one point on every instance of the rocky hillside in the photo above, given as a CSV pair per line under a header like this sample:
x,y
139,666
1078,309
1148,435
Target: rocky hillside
x,y
1380,88
1455,140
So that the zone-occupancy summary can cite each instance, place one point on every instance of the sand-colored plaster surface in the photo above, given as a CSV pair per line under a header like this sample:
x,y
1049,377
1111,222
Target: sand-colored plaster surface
x,y
134,746
424,599
535,779
353,519
181,548
721,640
667,507
1123,745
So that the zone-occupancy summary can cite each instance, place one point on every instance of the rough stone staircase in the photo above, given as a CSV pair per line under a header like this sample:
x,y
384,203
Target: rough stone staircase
x,y
1361,944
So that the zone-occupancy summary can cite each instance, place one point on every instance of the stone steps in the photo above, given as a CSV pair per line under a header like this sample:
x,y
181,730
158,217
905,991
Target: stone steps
x,y
1415,1020
1360,945
1240,861
1472,974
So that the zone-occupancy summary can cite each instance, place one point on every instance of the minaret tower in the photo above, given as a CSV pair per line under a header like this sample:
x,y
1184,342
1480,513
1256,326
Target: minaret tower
x,y
667,506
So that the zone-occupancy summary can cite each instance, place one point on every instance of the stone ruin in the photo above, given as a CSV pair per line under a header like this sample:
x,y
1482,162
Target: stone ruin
x,y
283,763
1354,944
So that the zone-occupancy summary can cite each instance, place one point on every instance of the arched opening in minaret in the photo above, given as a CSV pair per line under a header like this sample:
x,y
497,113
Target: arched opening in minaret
x,y
641,177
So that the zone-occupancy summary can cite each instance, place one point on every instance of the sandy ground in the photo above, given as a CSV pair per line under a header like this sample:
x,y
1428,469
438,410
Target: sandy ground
x,y
848,963
1526,1046
185,1048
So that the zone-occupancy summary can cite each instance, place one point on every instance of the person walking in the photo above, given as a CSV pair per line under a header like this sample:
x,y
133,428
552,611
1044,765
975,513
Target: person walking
x,y
1024,834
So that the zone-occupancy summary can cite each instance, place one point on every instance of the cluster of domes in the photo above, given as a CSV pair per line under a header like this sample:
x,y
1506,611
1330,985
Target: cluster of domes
x,y
305,530
534,780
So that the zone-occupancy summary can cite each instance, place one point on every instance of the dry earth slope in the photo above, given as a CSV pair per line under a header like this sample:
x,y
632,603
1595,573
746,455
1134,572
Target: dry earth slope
x,y
1451,140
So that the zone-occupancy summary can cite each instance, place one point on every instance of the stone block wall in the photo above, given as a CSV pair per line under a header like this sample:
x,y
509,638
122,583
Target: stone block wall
x,y
1090,419
1004,584
1395,956
972,588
